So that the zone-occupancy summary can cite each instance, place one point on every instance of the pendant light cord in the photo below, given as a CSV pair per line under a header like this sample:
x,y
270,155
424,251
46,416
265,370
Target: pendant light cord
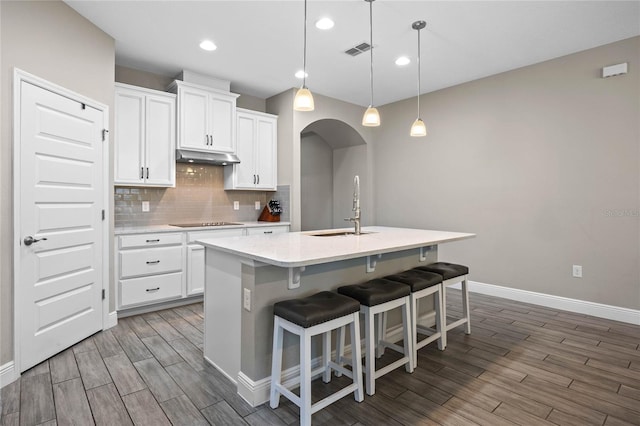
x,y
419,74
371,48
304,56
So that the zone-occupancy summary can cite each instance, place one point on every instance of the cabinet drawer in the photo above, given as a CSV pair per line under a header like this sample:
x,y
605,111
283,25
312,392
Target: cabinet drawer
x,y
158,260
150,240
219,233
137,291
267,230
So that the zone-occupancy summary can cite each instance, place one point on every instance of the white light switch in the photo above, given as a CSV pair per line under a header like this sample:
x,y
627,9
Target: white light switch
x,y
236,205
246,299
257,205
577,271
145,206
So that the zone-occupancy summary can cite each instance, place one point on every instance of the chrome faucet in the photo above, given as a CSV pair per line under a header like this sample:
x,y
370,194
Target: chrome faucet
x,y
356,205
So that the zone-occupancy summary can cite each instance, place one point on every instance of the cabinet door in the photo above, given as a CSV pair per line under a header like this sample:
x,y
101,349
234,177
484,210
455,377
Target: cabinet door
x,y
194,112
195,269
129,137
245,172
222,115
268,230
265,149
160,152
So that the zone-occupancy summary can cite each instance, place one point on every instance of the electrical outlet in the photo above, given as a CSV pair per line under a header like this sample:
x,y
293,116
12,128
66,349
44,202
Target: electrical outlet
x,y
257,205
236,205
577,271
246,299
145,206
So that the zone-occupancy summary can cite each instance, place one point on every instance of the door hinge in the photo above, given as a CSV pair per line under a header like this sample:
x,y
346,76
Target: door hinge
x,y
104,134
103,214
103,294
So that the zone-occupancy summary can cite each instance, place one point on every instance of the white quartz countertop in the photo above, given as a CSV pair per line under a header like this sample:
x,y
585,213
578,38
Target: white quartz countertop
x,y
125,230
296,249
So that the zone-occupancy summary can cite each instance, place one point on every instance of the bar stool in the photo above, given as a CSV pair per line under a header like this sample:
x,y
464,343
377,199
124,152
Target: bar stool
x,y
307,317
376,297
422,284
452,274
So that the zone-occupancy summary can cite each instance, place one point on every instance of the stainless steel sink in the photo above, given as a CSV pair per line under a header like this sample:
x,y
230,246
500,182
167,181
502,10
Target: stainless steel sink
x,y
335,233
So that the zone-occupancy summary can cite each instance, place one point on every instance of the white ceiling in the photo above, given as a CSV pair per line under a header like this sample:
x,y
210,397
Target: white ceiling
x,y
260,42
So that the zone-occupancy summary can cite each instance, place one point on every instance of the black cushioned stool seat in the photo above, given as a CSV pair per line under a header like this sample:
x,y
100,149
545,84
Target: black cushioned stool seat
x,y
416,279
316,315
375,292
452,274
422,284
377,297
313,310
447,270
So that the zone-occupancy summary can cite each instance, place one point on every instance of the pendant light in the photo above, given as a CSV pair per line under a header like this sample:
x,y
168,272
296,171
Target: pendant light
x,y
418,129
371,117
304,99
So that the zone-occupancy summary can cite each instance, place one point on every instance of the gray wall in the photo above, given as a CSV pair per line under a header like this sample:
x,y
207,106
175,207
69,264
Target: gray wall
x,y
52,41
541,162
316,183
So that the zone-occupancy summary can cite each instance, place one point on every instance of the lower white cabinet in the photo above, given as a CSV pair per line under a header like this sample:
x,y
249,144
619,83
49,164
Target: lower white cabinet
x,y
158,267
150,268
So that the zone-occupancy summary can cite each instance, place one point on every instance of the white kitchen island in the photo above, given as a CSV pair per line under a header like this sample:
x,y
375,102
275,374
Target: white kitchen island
x,y
245,276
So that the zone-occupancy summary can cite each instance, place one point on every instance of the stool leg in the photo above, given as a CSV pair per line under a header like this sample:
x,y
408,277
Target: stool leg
x,y
356,357
444,307
340,349
465,305
326,356
408,339
381,333
370,362
276,363
305,379
414,328
437,300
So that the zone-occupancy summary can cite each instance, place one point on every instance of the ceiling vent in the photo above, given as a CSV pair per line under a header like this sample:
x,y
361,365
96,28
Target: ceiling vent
x,y
356,50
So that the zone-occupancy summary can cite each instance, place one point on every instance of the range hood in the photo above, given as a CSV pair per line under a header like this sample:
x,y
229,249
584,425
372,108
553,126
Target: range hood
x,y
215,158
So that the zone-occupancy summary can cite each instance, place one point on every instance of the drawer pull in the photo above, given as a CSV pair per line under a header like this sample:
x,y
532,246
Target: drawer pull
x,y
153,241
153,289
268,232
153,262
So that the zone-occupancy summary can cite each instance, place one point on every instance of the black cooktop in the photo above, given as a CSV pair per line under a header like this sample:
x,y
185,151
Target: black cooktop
x,y
201,224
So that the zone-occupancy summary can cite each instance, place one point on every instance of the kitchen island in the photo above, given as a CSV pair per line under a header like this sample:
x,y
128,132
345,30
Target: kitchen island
x,y
245,276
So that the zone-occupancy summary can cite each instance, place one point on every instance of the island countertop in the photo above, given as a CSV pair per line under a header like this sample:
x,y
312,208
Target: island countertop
x,y
297,249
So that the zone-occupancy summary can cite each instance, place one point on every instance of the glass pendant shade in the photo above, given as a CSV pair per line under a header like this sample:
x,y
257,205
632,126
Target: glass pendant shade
x,y
371,117
303,100
418,128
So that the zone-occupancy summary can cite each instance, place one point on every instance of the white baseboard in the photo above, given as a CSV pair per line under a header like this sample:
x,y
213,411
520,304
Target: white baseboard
x,y
616,313
8,374
112,320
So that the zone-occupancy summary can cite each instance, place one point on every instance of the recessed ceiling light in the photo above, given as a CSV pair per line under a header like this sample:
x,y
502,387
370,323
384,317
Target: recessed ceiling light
x,y
208,45
324,24
302,74
402,61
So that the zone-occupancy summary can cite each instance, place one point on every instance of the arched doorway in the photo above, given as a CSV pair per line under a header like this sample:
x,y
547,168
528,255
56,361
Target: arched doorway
x,y
331,154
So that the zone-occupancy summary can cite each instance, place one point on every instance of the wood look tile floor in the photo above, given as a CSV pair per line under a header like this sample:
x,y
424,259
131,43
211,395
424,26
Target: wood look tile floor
x,y
523,364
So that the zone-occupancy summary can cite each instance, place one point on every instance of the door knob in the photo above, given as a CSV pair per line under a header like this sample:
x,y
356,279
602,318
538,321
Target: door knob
x,y
30,240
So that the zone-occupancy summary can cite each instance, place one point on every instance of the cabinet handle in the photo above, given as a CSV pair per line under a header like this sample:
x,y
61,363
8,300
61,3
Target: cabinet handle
x,y
268,232
211,140
258,182
153,241
206,139
254,179
147,173
153,289
141,172
153,262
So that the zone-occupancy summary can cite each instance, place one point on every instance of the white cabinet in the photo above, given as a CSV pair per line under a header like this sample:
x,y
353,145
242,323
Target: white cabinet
x,y
145,137
206,118
268,230
256,140
150,268
195,256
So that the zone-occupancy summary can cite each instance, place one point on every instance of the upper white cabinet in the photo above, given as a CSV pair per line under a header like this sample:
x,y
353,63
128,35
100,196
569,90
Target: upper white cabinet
x,y
256,139
145,137
206,118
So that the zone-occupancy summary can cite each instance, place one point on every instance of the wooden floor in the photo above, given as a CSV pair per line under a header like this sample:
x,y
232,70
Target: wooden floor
x,y
522,364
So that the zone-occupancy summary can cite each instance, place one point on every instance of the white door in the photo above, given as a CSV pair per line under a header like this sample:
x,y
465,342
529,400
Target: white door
x,y
160,145
222,110
194,119
59,299
245,171
266,153
129,134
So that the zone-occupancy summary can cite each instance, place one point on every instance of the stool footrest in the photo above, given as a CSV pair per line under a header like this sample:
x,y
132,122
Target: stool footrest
x,y
287,393
456,323
340,369
387,368
392,346
334,397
